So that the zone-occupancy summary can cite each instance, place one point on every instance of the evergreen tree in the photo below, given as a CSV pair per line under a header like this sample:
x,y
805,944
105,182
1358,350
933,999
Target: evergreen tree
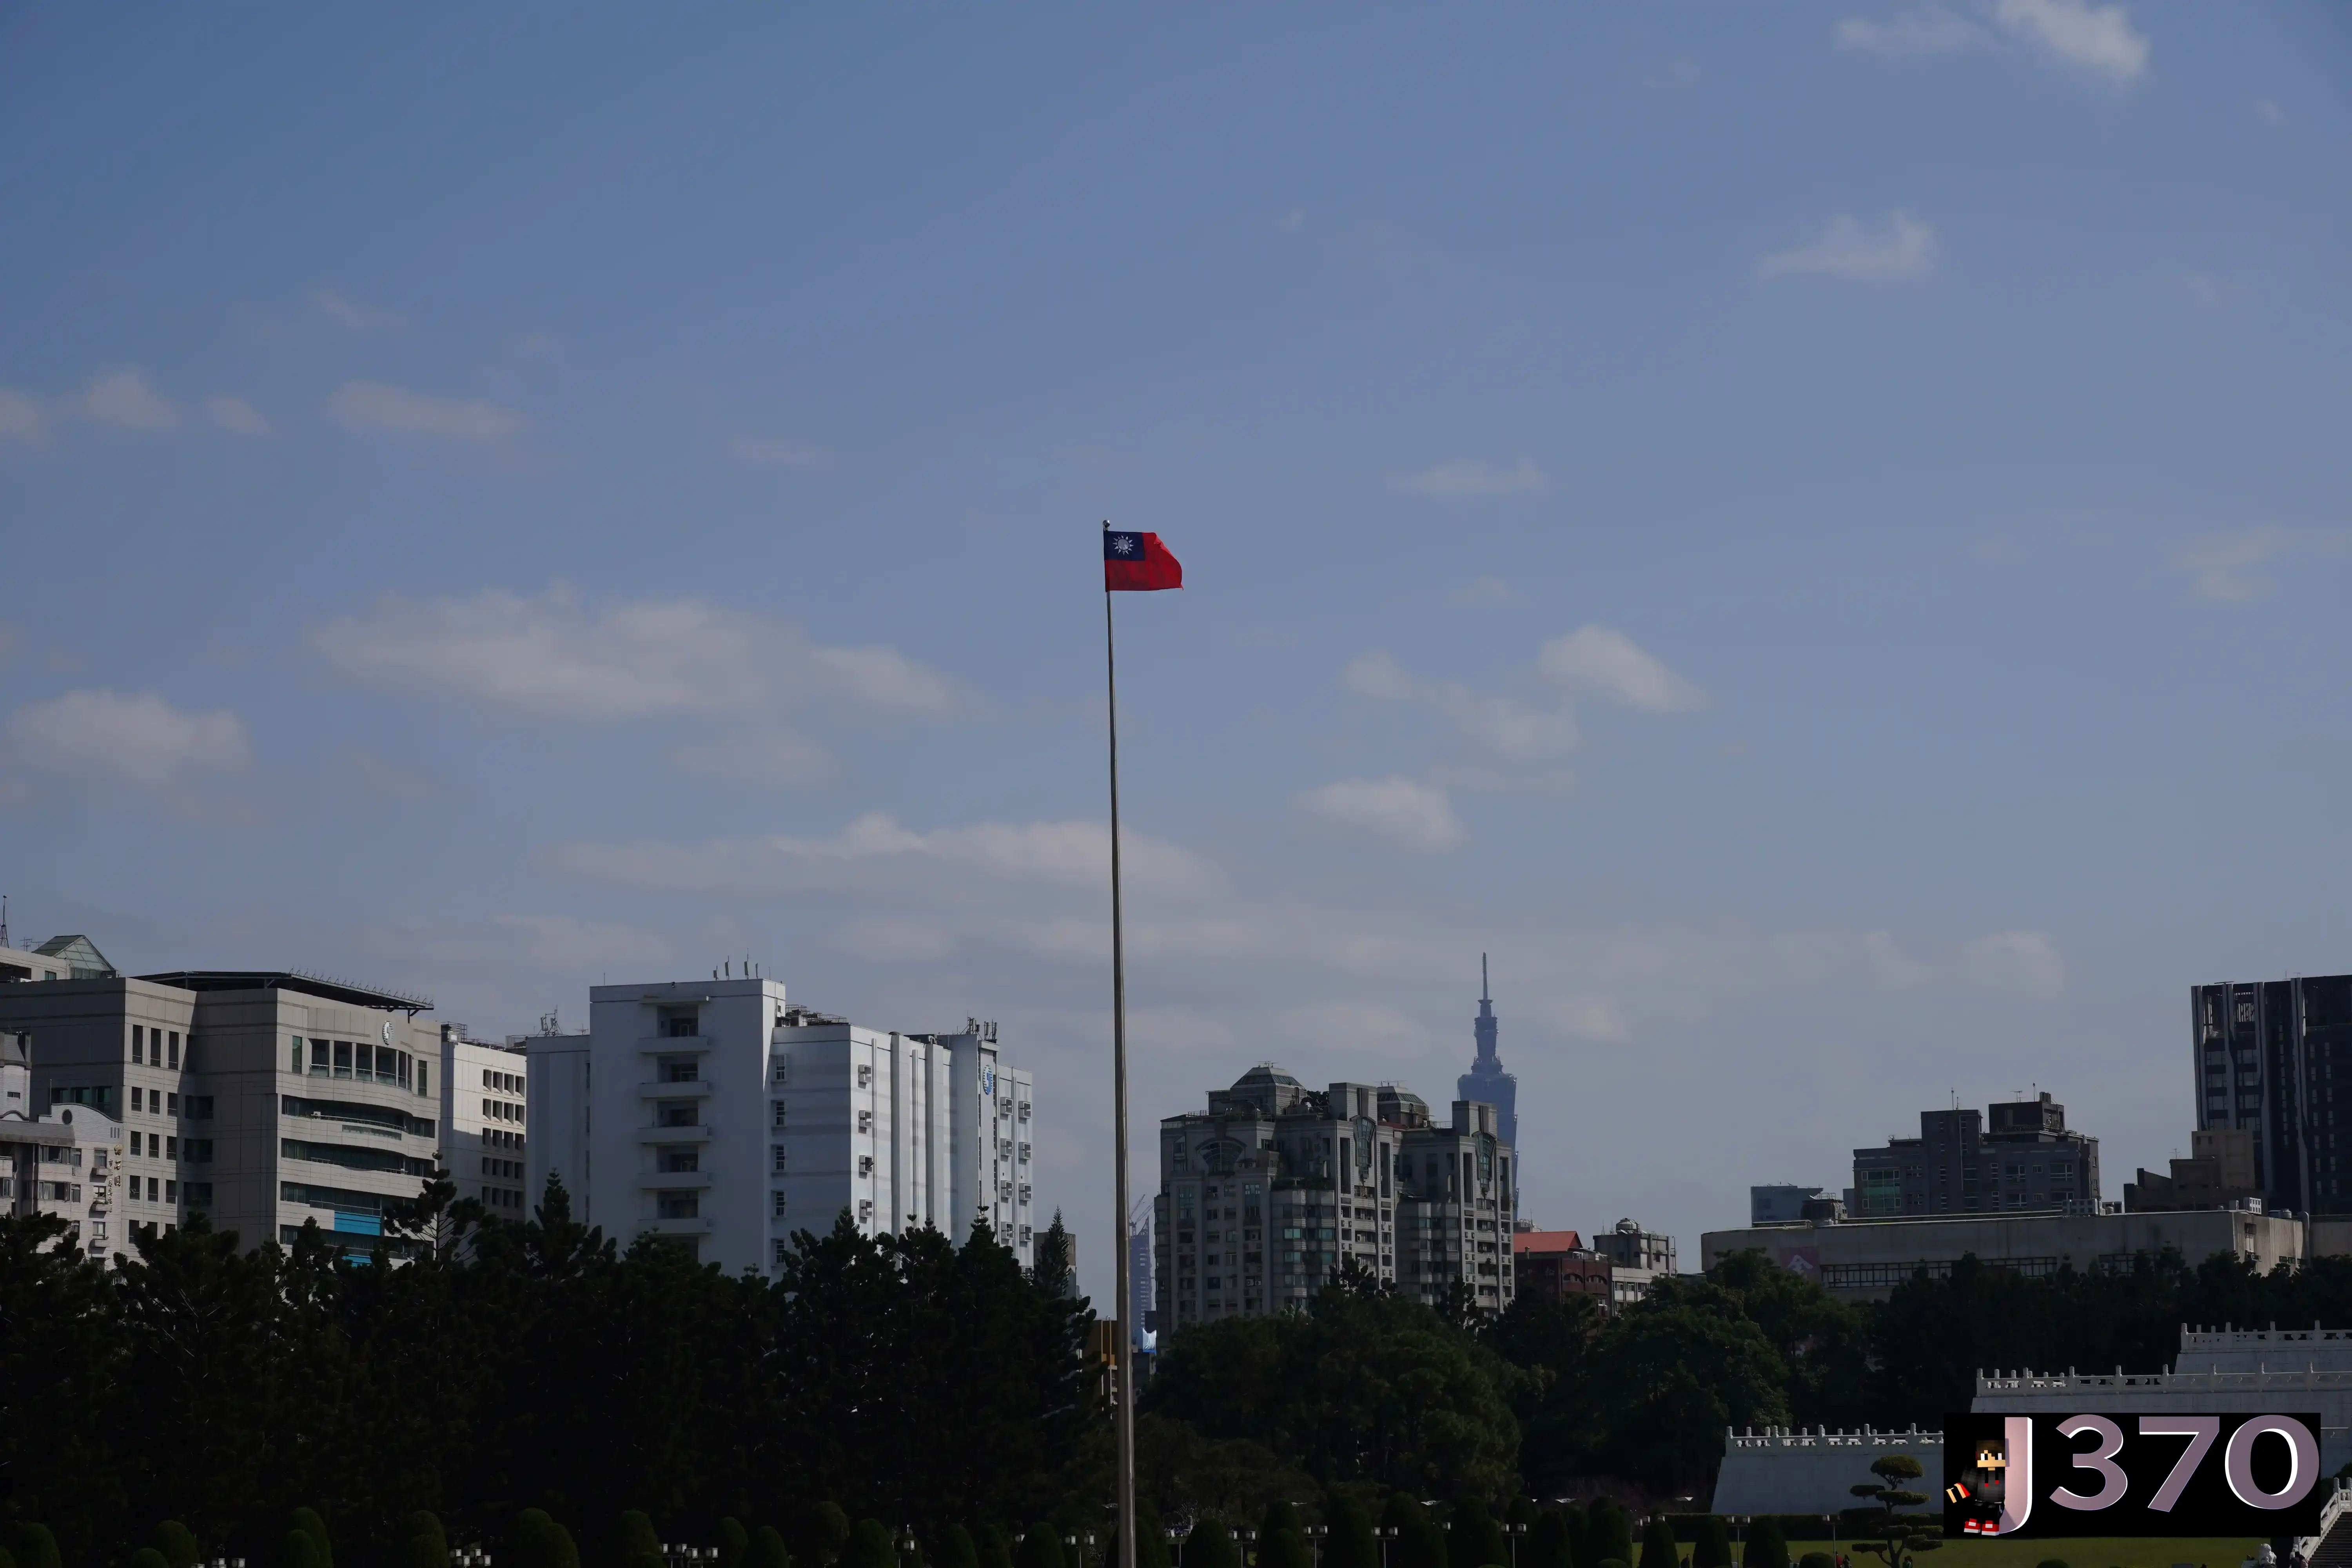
x,y
7,1559
1041,1547
147,1557
1900,1536
956,1548
1418,1542
1581,1550
1475,1541
1547,1542
31,1545
869,1546
734,1543
636,1542
1766,1547
299,1549
537,1540
1055,1260
1211,1545
177,1544
1612,1531
1711,1544
995,1547
767,1550
821,1532
1658,1546
309,1522
1350,1543
1281,1543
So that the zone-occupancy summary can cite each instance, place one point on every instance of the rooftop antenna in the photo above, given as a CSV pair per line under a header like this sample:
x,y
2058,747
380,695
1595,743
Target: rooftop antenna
x,y
1482,977
4,919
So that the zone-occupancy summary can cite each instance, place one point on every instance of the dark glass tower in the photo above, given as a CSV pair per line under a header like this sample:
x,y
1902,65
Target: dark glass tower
x,y
1487,1081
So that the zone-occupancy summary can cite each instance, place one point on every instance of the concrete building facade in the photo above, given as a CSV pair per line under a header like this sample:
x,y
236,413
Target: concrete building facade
x,y
266,1099
1638,1258
1267,1195
1865,1259
485,1121
66,1162
719,1118
1556,1264
2019,1155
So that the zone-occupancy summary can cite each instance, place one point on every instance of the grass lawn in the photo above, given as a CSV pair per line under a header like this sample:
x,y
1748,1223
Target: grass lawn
x,y
2081,1551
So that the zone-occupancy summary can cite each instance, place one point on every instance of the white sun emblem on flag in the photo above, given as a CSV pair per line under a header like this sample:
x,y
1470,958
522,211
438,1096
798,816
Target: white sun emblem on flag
x,y
1123,542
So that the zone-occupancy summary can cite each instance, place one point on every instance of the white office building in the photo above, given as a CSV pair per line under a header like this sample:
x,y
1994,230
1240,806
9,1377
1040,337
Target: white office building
x,y
65,1160
267,1098
484,1117
713,1114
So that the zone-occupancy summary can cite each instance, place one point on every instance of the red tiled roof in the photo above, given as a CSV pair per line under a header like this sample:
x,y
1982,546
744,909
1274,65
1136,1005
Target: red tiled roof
x,y
1546,1241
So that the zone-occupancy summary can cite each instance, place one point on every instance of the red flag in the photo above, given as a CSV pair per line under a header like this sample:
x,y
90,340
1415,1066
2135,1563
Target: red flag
x,y
1138,563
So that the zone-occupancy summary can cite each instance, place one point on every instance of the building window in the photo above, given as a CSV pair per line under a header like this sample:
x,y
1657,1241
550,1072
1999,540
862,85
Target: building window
x,y
171,1192
783,1251
681,1159
174,1062
138,1046
780,1205
779,1156
776,1118
342,1058
680,1205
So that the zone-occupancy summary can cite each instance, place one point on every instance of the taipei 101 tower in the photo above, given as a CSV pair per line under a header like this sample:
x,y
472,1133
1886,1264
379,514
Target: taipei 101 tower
x,y
1487,1081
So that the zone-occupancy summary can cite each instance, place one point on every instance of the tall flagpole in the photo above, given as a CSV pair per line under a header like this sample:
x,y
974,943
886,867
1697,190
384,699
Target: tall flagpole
x,y
1123,1350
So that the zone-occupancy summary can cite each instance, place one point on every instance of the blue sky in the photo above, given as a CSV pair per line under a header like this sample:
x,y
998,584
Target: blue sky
x,y
1811,535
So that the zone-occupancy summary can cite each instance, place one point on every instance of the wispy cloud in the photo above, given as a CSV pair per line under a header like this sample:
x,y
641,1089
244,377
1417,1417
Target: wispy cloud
x,y
2099,40
233,416
1510,728
1453,481
374,408
553,658
1413,816
1599,659
122,401
1484,591
22,419
356,317
777,452
1901,250
2207,291
2226,566
138,743
1916,30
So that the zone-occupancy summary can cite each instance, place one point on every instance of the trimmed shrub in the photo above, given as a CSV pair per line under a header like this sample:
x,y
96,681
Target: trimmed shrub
x,y
1659,1548
1817,1560
307,1521
1351,1543
767,1549
1766,1547
1475,1540
1281,1543
1211,1545
177,1544
32,1546
1041,1547
956,1548
1547,1544
1710,1543
297,1549
869,1546
995,1548
1612,1533
147,1557
734,1543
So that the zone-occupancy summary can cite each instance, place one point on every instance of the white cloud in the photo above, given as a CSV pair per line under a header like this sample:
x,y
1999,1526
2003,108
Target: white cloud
x,y
777,452
1902,250
121,400
1919,30
2222,564
554,657
2208,292
1485,591
1453,481
234,416
356,317
22,417
1396,810
874,854
1510,727
141,742
2096,38
1611,662
373,408
2019,963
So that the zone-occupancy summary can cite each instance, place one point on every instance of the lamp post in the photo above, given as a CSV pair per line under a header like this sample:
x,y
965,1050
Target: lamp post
x,y
1176,1538
1514,1531
1387,1533
1314,1534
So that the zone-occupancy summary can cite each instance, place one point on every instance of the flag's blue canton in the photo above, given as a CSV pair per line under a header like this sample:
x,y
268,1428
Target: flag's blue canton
x,y
1122,546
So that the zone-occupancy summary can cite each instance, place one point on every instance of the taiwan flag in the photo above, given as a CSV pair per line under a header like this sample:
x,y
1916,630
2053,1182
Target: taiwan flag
x,y
1138,563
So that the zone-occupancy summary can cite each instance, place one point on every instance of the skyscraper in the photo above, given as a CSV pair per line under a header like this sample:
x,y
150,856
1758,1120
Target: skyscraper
x,y
1487,1082
2266,1054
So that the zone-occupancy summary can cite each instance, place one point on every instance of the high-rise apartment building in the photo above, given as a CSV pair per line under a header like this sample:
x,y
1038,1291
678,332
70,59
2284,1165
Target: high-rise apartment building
x,y
1267,1195
267,1098
485,1121
715,1115
2265,1055
2017,1154
64,1160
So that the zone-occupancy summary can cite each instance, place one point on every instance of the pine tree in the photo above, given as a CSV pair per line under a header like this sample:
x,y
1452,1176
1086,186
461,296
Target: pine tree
x,y
1351,1543
1766,1547
32,1545
307,1521
177,1544
1041,1547
734,1543
1613,1532
1211,1545
1547,1542
767,1550
1900,1536
956,1548
297,1549
147,1557
1475,1541
1711,1546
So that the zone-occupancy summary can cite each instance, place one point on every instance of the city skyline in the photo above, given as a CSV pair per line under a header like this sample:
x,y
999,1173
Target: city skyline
x,y
1811,535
